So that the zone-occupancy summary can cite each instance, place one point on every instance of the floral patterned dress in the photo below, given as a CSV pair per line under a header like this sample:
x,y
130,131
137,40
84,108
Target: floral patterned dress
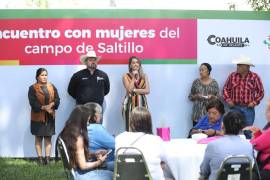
x,y
199,105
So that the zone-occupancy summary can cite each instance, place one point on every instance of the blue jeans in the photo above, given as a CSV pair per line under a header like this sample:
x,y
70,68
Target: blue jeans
x,y
248,112
110,165
93,175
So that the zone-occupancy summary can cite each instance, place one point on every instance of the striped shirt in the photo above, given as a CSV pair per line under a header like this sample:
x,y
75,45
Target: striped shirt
x,y
243,90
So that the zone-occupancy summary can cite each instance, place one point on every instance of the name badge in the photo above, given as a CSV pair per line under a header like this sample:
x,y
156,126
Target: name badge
x,y
99,78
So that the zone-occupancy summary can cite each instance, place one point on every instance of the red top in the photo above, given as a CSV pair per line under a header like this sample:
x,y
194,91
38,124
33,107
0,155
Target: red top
x,y
243,90
261,143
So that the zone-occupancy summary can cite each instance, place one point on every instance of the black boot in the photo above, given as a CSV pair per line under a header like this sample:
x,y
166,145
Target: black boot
x,y
40,160
47,160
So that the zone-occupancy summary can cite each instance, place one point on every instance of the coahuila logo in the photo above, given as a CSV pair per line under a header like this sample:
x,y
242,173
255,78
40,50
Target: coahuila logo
x,y
267,42
228,41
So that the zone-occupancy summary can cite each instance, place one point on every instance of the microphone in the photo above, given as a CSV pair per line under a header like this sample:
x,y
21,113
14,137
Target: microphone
x,y
136,74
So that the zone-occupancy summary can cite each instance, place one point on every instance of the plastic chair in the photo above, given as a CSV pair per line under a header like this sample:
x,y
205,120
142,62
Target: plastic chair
x,y
61,147
130,165
237,167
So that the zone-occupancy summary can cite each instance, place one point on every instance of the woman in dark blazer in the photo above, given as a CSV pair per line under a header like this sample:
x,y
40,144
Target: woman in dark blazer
x,y
44,100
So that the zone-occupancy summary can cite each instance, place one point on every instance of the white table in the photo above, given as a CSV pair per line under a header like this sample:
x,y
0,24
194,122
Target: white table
x,y
184,158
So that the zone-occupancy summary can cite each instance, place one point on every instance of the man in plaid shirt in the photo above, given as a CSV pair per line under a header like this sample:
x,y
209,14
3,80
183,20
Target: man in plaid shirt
x,y
243,90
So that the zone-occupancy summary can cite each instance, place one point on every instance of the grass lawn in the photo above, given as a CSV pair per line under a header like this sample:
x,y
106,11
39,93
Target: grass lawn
x,y
17,169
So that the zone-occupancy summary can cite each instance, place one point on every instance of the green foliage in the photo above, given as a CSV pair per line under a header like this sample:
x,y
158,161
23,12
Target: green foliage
x,y
14,169
260,5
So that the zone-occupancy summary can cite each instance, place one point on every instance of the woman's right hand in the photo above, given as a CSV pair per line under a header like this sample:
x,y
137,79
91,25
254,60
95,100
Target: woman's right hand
x,y
197,96
102,157
195,131
252,128
231,104
47,108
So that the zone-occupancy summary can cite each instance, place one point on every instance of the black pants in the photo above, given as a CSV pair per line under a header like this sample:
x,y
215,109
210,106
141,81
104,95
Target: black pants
x,y
265,175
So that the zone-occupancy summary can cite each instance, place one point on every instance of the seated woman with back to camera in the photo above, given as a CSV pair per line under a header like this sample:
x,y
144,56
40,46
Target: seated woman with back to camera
x,y
140,136
229,144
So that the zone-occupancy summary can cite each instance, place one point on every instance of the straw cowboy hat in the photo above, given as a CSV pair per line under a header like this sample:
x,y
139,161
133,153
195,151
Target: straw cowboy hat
x,y
90,54
243,60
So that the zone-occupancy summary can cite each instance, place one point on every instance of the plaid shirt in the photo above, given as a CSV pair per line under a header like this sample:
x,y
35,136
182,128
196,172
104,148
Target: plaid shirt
x,y
243,91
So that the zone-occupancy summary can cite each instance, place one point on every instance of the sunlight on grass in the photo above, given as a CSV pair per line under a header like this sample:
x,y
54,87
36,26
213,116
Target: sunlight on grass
x,y
13,169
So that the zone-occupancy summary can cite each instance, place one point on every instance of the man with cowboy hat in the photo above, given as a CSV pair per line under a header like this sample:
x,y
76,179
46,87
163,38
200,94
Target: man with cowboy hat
x,y
90,84
243,89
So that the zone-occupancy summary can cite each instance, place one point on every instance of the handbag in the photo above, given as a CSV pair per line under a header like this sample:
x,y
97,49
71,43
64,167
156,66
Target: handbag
x,y
164,133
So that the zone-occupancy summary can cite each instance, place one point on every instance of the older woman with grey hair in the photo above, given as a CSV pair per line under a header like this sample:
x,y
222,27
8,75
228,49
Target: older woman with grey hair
x,y
100,140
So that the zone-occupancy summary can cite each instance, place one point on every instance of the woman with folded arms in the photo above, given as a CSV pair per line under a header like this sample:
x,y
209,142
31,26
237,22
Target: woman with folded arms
x,y
44,100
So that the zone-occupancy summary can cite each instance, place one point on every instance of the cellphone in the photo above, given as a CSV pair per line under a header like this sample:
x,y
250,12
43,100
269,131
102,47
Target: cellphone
x,y
206,97
108,152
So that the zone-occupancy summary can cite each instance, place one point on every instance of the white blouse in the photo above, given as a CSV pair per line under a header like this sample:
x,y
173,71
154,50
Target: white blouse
x,y
151,146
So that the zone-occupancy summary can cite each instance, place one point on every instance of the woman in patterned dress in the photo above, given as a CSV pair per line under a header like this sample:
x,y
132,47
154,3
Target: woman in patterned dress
x,y
202,91
137,86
